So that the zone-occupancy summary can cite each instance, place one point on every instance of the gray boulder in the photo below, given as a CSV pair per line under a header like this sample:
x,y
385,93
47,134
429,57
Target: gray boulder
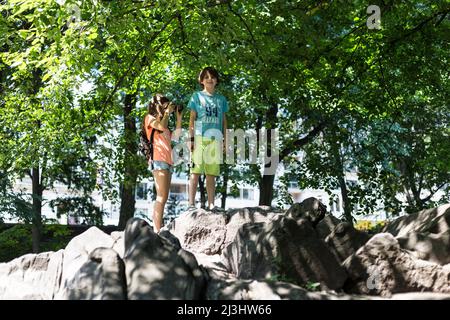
x,y
156,269
436,220
118,245
311,209
345,240
228,287
77,253
381,267
432,247
283,249
326,225
102,277
239,217
200,231
31,277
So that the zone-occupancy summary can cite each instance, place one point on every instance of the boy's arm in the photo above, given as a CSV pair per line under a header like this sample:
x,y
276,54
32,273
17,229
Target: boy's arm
x,y
191,128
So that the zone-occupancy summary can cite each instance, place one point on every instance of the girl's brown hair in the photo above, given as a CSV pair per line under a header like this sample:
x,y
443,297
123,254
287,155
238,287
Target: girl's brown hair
x,y
157,105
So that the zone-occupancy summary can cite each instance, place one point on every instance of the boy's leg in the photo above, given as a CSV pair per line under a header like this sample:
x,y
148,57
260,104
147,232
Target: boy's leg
x,y
212,170
211,190
193,183
196,170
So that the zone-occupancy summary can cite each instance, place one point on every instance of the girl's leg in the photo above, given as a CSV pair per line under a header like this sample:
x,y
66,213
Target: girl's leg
x,y
211,190
162,184
193,183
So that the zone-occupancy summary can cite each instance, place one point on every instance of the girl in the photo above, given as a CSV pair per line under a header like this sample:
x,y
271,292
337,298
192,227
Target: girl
x,y
157,118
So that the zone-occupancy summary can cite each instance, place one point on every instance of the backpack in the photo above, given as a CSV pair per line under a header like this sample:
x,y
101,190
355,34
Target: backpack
x,y
145,145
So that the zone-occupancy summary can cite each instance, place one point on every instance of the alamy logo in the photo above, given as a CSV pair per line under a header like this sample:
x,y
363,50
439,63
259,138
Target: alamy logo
x,y
75,14
374,20
250,147
74,11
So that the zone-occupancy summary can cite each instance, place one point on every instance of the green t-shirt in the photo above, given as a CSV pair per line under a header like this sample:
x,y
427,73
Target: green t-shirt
x,y
210,110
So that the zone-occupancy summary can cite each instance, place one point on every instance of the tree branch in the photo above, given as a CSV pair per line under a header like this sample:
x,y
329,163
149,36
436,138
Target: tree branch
x,y
419,27
433,193
124,75
302,141
258,54
183,39
329,49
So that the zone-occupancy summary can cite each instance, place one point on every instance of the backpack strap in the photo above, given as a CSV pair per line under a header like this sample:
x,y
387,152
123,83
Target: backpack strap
x,y
151,143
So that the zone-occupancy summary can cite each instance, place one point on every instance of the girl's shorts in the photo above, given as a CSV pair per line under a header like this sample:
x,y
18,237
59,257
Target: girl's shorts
x,y
160,165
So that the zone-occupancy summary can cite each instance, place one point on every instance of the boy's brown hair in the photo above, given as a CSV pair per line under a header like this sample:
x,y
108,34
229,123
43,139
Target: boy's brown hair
x,y
213,72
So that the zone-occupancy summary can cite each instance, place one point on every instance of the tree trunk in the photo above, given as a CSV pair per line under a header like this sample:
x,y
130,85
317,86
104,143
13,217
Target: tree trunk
x,y
128,200
267,181
266,190
201,184
36,228
346,204
224,189
413,199
345,200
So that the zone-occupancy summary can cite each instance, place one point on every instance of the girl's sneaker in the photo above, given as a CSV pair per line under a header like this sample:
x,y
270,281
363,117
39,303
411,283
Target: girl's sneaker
x,y
216,209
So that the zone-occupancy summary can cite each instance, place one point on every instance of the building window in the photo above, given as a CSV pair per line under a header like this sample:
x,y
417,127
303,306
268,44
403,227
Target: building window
x,y
247,194
293,184
141,191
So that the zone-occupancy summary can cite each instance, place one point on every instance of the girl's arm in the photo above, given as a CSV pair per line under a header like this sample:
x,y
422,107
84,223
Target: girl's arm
x,y
177,132
162,124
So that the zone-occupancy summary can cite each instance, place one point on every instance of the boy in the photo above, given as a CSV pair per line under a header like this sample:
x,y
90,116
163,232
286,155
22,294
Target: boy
x,y
207,124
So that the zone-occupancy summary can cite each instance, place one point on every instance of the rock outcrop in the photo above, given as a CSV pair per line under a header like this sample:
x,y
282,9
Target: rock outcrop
x,y
200,231
156,269
436,220
31,277
344,240
381,267
283,249
249,253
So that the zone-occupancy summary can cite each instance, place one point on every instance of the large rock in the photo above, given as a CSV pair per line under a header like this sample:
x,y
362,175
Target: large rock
x,y
436,220
31,277
381,267
239,217
432,247
200,231
119,245
77,253
156,269
283,249
345,240
311,209
102,277
228,287
326,225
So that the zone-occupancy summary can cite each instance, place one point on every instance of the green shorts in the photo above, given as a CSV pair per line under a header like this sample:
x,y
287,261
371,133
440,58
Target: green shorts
x,y
206,157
